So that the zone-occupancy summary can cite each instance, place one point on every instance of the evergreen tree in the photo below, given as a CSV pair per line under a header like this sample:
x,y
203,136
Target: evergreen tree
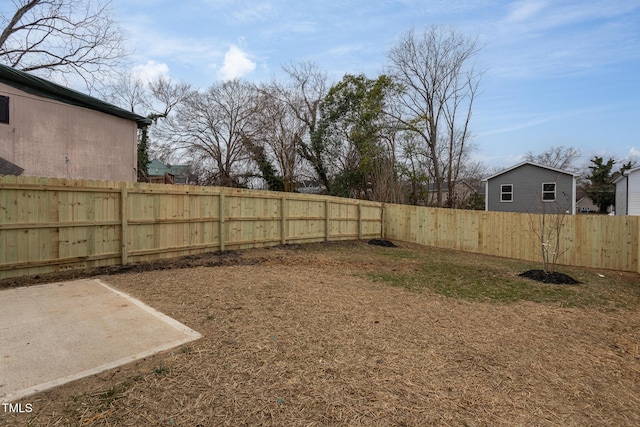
x,y
143,151
601,190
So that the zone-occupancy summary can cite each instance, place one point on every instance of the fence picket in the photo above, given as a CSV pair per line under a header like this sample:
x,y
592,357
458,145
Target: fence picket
x,y
49,224
596,241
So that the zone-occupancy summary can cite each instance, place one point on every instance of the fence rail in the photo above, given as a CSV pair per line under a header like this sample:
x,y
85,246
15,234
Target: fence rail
x,y
51,225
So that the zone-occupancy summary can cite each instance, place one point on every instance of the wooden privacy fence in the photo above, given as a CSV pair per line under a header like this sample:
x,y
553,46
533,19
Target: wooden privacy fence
x,y
51,225
598,241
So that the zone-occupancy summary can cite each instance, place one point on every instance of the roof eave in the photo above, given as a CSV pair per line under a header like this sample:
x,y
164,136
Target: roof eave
x,y
572,174
41,87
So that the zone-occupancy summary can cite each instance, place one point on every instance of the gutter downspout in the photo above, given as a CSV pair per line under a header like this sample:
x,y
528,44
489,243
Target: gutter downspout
x,y
626,193
573,204
486,195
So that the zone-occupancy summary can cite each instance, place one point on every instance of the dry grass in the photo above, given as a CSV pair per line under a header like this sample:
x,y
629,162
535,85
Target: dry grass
x,y
316,336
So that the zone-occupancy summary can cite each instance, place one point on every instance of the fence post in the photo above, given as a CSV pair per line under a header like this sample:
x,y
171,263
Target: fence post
x,y
283,220
637,248
327,211
221,235
124,225
382,233
359,221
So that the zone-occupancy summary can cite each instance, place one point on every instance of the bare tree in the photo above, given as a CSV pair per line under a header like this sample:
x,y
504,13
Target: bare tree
x,y
473,172
457,115
129,92
556,157
209,129
440,86
302,94
155,100
413,167
166,95
58,38
385,185
546,228
307,87
279,131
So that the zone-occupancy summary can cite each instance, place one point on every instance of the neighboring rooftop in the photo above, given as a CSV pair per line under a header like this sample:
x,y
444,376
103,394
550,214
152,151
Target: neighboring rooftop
x,y
532,164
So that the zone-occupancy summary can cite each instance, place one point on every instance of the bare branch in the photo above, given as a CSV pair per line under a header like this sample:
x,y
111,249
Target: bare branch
x,y
59,38
433,68
208,129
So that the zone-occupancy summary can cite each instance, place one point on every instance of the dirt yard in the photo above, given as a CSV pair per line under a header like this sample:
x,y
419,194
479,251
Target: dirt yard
x,y
299,336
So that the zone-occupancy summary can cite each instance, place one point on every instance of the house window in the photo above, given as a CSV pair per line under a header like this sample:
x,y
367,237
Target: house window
x,y
549,192
506,193
4,109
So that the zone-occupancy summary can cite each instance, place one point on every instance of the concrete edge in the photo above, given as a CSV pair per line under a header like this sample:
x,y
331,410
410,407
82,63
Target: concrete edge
x,y
191,335
173,322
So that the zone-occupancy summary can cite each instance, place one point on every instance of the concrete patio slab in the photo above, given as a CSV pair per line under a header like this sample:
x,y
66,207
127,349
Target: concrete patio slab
x,y
56,333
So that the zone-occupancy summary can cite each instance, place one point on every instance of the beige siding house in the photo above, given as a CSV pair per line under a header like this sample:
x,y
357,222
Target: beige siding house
x,y
462,190
48,130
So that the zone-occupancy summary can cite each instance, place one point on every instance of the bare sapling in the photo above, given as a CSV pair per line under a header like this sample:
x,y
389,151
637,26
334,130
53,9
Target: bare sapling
x,y
547,229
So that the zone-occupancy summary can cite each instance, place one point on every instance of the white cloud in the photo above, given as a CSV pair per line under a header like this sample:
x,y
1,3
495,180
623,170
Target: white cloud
x,y
557,39
345,49
522,11
518,122
254,13
150,71
634,153
236,64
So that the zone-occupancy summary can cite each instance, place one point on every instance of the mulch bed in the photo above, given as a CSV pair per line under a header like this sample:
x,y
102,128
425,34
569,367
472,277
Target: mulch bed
x,y
304,338
554,278
382,242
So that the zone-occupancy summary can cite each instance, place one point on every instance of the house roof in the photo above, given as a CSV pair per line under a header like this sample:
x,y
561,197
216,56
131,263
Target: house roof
x,y
531,164
625,174
584,199
157,168
41,87
432,186
619,178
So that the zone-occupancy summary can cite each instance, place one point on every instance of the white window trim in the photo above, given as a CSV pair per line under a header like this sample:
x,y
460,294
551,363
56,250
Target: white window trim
x,y
555,186
504,192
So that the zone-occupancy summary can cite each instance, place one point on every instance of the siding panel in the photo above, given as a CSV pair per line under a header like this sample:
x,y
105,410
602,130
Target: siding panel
x,y
527,190
633,207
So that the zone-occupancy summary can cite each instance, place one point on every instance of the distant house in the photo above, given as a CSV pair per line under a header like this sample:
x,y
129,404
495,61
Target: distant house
x,y
628,192
49,130
586,205
167,174
531,188
461,192
310,187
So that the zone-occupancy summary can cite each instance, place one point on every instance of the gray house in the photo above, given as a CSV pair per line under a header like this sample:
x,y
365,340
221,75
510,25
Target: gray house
x,y
531,188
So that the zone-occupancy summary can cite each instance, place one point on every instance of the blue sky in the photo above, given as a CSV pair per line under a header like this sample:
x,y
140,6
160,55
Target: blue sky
x,y
558,72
